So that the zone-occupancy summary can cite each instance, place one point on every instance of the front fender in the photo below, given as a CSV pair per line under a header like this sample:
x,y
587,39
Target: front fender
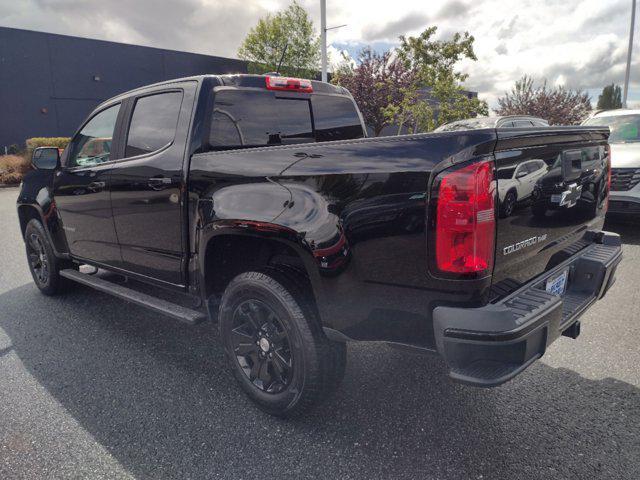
x,y
36,195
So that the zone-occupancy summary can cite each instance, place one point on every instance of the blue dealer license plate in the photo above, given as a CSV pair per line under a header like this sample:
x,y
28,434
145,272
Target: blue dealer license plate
x,y
558,284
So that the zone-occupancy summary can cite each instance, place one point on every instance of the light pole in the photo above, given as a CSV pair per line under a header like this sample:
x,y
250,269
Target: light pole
x,y
323,38
629,50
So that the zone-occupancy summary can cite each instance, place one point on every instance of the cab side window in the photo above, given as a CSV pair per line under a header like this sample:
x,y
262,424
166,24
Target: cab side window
x,y
153,123
92,146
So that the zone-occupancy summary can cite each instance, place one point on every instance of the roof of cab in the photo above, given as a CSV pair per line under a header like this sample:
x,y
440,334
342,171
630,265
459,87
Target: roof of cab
x,y
237,80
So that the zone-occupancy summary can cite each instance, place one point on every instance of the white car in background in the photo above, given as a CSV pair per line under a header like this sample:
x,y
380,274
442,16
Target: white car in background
x,y
517,184
625,158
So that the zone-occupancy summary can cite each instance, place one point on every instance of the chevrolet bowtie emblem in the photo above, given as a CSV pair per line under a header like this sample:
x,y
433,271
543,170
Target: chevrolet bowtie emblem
x,y
569,197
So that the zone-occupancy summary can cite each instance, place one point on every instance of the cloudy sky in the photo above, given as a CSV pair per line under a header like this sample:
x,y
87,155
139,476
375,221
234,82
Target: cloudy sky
x,y
577,43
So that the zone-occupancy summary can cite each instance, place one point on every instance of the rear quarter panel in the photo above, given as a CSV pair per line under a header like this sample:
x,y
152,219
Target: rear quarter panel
x,y
356,212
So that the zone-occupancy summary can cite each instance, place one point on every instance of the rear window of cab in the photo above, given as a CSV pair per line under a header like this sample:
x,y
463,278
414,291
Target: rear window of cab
x,y
256,118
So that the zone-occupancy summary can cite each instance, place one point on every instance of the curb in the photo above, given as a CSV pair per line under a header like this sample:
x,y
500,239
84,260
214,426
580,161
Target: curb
x,y
2,185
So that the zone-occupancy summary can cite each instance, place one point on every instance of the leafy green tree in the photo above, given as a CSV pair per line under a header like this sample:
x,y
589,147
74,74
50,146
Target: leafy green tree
x,y
292,29
611,98
435,96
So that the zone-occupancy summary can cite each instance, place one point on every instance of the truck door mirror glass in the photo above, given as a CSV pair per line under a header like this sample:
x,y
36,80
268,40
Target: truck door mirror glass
x,y
45,158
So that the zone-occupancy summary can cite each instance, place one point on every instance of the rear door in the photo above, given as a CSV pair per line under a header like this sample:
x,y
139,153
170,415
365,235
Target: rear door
x,y
566,185
148,184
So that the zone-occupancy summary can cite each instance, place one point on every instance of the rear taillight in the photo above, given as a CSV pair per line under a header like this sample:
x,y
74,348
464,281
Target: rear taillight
x,y
465,220
289,84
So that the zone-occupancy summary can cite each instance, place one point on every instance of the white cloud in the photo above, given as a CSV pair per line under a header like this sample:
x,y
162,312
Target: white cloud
x,y
579,43
338,57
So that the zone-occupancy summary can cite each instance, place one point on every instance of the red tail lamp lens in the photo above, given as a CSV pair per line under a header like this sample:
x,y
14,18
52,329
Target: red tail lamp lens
x,y
465,220
289,84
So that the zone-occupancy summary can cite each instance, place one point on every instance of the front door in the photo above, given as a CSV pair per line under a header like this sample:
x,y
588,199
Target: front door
x,y
81,190
147,184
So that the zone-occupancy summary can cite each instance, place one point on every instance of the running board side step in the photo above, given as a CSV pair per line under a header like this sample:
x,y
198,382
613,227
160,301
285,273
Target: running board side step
x,y
177,312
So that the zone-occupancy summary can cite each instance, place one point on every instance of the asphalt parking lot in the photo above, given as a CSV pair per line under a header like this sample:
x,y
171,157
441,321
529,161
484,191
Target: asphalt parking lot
x,y
91,387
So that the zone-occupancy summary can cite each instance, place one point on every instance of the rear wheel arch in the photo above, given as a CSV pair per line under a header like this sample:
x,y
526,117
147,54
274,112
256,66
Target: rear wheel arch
x,y
226,255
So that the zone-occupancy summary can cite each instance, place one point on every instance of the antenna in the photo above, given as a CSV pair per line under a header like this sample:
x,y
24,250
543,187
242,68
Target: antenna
x,y
282,57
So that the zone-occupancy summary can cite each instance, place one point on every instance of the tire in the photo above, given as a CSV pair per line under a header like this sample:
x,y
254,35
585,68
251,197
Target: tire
x,y
274,345
336,351
44,265
509,203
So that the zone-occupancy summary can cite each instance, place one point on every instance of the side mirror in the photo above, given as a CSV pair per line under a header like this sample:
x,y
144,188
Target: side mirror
x,y
46,158
522,173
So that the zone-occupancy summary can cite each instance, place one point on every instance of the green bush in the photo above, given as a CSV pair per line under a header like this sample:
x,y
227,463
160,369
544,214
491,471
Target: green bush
x,y
33,143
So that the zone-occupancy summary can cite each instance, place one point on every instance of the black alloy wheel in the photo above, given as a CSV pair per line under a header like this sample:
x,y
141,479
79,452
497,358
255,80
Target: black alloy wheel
x,y
274,343
38,259
261,346
44,265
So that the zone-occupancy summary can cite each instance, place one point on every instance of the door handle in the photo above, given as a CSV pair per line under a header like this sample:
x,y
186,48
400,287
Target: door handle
x,y
158,183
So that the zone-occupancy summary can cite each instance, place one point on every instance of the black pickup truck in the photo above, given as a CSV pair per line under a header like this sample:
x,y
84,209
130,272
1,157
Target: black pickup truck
x,y
259,201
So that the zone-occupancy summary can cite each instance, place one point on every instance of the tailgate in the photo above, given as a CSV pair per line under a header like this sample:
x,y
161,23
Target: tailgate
x,y
552,188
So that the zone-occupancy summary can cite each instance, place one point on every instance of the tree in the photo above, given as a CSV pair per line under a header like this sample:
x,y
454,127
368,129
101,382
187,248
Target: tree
x,y
558,105
376,83
611,98
292,29
435,96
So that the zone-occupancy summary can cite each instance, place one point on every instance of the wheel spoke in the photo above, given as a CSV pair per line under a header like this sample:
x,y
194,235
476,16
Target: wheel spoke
x,y
255,367
278,338
250,312
261,346
279,373
264,375
240,336
33,241
280,364
245,349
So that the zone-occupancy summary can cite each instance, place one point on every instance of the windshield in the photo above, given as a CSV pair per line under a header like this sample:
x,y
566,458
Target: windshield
x,y
624,128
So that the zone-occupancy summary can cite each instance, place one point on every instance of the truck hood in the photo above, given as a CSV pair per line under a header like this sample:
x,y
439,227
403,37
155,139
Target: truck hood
x,y
625,155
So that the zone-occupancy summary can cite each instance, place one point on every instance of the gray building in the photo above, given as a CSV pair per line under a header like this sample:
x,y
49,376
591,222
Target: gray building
x,y
49,83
